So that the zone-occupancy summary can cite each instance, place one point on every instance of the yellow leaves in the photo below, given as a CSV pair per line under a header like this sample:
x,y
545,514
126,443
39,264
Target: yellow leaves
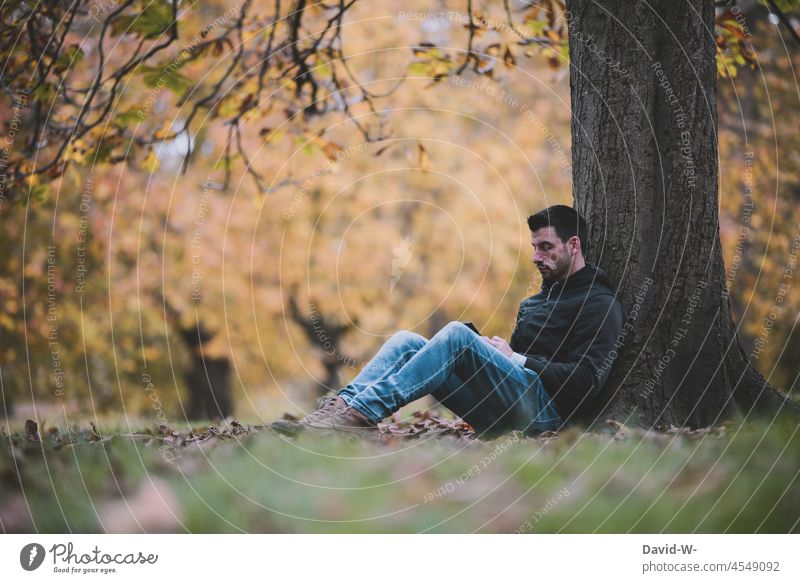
x,y
508,58
323,69
151,162
165,131
535,26
32,180
424,158
238,100
76,151
275,29
228,107
479,24
251,34
554,57
309,142
270,136
733,44
7,322
725,69
431,61
250,85
226,162
259,198
546,21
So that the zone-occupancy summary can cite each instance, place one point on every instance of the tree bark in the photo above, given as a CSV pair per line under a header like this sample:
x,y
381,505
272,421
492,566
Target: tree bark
x,y
644,149
208,380
326,334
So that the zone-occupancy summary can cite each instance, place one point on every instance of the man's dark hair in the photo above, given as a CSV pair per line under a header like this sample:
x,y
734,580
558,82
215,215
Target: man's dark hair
x,y
565,220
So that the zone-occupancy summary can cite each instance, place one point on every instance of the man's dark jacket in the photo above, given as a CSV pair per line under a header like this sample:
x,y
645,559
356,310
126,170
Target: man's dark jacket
x,y
567,333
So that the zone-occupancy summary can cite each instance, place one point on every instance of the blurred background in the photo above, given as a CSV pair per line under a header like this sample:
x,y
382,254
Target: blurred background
x,y
274,264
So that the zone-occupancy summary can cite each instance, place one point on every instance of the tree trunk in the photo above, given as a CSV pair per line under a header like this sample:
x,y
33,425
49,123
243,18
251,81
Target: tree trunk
x,y
326,334
644,130
208,380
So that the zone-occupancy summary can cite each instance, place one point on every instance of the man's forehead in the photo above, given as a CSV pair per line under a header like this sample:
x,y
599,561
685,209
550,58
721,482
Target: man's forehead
x,y
545,234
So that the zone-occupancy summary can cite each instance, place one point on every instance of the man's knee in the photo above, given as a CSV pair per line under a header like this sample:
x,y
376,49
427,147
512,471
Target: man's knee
x,y
455,330
409,337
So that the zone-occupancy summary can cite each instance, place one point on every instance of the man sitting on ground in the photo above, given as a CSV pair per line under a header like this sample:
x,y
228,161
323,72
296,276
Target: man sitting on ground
x,y
551,368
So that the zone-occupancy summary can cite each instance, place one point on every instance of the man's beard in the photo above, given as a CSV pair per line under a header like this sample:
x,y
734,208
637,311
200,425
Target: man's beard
x,y
559,271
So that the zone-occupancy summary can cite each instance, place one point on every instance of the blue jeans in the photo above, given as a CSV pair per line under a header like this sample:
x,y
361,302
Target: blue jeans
x,y
465,373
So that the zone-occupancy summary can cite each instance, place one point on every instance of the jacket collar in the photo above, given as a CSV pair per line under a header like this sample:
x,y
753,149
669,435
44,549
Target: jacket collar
x,y
586,277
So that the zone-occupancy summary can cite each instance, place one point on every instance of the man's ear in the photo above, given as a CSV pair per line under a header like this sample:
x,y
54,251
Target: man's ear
x,y
574,245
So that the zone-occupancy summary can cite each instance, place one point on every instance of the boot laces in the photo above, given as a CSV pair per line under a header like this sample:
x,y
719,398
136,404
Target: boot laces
x,y
324,405
326,402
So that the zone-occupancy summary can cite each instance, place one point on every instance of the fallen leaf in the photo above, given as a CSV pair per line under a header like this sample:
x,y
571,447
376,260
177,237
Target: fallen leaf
x,y
32,431
621,431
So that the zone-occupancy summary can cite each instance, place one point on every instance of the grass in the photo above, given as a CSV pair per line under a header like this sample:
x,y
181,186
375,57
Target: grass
x,y
731,479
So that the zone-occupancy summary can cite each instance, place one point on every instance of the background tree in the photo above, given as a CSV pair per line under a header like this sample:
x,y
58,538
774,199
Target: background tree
x,y
358,160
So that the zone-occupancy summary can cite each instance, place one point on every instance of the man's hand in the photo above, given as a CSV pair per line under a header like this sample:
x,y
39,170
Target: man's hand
x,y
500,344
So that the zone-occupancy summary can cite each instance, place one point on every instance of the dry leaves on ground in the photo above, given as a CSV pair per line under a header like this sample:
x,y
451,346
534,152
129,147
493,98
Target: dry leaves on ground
x,y
421,424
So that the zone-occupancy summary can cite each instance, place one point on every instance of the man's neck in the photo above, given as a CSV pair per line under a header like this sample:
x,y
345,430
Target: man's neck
x,y
577,264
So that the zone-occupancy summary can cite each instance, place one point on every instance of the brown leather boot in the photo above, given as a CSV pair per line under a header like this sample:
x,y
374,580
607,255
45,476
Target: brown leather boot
x,y
325,406
349,420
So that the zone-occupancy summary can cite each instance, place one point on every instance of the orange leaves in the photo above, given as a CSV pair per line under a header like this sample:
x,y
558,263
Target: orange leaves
x,y
733,43
238,100
309,142
550,12
508,58
150,163
424,158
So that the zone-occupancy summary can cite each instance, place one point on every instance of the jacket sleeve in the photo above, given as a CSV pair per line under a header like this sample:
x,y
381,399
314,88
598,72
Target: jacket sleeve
x,y
577,379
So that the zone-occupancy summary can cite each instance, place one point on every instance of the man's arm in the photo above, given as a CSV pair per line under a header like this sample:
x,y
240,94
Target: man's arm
x,y
505,348
578,378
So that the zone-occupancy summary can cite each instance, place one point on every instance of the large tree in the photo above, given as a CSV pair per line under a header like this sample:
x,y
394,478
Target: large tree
x,y
644,144
88,84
